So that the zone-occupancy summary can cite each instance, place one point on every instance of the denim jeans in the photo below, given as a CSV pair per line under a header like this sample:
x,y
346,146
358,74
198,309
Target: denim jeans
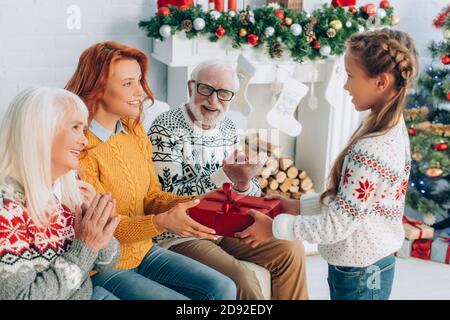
x,y
166,275
369,283
99,293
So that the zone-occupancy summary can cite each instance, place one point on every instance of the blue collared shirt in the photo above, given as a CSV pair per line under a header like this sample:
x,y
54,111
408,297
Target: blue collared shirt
x,y
104,134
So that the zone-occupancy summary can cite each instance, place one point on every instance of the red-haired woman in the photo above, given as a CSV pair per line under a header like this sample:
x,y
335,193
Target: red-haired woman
x,y
111,80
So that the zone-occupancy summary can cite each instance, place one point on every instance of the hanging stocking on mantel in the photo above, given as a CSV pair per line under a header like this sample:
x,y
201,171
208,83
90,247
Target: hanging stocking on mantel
x,y
281,116
245,71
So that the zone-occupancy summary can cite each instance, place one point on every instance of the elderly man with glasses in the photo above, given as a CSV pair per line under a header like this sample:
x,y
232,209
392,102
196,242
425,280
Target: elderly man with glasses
x,y
195,148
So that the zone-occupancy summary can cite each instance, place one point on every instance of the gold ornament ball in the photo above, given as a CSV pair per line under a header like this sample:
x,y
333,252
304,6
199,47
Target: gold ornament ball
x,y
331,33
243,32
288,21
336,24
417,156
395,20
434,172
447,34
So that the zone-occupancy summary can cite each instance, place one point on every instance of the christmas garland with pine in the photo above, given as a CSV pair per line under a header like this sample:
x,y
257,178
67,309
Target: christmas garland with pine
x,y
307,36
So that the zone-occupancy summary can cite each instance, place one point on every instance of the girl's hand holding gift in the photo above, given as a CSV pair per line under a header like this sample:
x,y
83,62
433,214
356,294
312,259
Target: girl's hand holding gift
x,y
290,206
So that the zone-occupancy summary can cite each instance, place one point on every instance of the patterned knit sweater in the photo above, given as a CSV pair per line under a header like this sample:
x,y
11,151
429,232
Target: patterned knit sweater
x,y
188,160
363,224
44,263
123,166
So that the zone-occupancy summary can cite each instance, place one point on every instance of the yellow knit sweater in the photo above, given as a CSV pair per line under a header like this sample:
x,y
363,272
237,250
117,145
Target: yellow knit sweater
x,y
123,165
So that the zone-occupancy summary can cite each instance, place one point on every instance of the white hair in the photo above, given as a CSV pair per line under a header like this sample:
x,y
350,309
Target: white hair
x,y
26,134
216,64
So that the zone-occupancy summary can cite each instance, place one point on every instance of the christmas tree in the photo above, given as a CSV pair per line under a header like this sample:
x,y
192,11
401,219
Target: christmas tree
x,y
428,119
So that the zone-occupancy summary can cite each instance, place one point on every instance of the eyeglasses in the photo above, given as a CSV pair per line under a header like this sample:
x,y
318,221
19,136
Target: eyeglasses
x,y
206,90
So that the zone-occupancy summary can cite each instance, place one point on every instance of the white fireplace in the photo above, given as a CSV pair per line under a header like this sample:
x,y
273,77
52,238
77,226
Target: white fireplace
x,y
325,129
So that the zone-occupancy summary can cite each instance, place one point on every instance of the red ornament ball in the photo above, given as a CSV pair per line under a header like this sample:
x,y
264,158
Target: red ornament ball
x,y
353,10
316,44
370,9
252,39
220,32
412,131
445,59
163,11
385,4
279,14
314,21
448,96
441,146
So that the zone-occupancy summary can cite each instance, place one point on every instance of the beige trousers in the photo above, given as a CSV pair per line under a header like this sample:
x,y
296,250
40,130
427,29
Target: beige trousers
x,y
284,259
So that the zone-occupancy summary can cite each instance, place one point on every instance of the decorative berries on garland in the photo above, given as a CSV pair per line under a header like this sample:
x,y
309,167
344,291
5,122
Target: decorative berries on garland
x,y
315,44
279,14
220,32
288,21
243,32
163,12
384,4
370,9
253,39
353,10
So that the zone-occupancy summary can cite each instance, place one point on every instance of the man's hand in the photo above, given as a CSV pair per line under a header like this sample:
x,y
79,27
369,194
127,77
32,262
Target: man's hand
x,y
240,170
259,233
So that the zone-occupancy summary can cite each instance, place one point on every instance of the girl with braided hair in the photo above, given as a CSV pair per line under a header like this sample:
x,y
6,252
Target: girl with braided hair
x,y
357,221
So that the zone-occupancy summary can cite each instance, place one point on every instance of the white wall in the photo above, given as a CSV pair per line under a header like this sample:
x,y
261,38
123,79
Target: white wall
x,y
37,48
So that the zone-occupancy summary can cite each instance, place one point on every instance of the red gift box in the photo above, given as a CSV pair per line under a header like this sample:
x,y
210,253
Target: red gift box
x,y
226,211
421,249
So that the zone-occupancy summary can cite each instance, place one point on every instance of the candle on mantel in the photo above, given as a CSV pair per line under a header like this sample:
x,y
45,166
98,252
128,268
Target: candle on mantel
x,y
232,5
219,5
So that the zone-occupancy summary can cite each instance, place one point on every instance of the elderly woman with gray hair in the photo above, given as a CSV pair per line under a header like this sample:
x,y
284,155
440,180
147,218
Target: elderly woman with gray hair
x,y
49,240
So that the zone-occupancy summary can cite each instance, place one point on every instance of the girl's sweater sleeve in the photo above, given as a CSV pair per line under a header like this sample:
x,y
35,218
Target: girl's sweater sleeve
x,y
362,185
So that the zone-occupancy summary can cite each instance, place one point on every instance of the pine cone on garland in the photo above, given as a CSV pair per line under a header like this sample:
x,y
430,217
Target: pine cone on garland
x,y
310,36
275,50
244,18
187,25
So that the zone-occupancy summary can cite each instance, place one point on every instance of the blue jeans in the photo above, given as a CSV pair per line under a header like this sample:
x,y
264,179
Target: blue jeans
x,y
99,293
166,275
369,283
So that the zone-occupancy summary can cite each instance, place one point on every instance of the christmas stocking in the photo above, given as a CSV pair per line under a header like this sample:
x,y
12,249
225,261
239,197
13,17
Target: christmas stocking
x,y
281,115
245,70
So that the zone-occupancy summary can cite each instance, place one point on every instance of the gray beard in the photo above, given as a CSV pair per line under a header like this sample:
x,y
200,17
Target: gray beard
x,y
199,117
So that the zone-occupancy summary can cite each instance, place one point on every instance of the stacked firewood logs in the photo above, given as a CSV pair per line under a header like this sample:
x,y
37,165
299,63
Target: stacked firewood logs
x,y
283,177
279,174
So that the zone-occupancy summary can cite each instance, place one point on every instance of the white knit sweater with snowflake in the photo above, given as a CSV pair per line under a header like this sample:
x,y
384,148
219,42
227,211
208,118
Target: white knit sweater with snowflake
x,y
363,224
188,160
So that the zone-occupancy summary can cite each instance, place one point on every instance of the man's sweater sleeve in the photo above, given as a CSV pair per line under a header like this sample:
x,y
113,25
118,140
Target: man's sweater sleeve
x,y
360,188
